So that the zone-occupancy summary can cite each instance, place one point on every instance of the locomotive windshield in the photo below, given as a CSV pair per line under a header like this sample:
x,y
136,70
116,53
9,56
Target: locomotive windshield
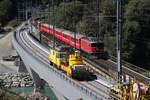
x,y
97,44
79,67
62,55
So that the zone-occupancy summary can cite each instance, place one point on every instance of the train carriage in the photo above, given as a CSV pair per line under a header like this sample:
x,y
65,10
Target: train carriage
x,y
89,45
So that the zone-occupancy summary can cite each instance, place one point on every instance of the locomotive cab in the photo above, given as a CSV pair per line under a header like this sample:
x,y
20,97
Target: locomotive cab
x,y
79,69
58,56
93,47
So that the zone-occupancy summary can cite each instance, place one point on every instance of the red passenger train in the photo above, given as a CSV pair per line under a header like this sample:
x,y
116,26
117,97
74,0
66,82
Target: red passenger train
x,y
88,45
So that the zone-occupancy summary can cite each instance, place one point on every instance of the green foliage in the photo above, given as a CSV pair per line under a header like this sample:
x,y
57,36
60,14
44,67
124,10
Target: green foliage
x,y
67,15
108,7
110,44
88,27
5,11
108,25
136,32
13,23
44,1
107,19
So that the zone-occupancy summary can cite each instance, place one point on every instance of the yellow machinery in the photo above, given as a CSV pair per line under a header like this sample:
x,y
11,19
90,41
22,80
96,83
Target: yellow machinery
x,y
131,91
70,63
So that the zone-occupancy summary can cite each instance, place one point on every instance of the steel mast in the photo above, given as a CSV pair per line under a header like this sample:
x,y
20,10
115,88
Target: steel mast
x,y
118,36
74,2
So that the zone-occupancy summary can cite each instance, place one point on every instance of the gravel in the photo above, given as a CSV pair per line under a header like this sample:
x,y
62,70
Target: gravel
x,y
8,80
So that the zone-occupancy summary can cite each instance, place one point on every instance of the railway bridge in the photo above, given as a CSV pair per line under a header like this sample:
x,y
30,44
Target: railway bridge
x,y
34,56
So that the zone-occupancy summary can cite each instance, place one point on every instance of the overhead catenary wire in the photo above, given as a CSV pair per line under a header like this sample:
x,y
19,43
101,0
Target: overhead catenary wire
x,y
64,11
73,26
39,14
49,10
140,40
53,5
98,14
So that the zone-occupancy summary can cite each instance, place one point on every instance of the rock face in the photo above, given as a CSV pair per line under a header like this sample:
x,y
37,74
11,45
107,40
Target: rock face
x,y
6,45
8,80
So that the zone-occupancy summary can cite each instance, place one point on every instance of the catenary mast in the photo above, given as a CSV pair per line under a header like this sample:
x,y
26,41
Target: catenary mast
x,y
118,36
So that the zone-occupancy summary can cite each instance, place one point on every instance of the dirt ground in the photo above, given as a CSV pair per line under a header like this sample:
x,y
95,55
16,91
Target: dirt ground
x,y
5,45
5,50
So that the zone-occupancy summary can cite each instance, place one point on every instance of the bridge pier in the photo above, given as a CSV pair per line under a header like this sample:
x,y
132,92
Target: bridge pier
x,y
39,83
21,65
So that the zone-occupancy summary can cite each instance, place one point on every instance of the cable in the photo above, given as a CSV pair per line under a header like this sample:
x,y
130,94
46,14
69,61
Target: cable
x,y
140,40
74,24
53,25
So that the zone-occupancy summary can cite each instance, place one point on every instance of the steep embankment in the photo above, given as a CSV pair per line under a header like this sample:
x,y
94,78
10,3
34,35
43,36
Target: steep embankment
x,y
5,45
5,50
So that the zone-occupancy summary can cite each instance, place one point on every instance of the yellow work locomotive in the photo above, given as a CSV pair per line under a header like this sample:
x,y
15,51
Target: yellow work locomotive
x,y
69,62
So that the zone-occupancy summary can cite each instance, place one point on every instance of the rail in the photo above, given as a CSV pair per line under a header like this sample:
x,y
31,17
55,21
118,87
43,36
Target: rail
x,y
100,70
133,67
109,68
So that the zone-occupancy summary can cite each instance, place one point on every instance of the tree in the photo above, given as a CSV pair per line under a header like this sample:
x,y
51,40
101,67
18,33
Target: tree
x,y
5,11
108,19
88,27
66,15
136,31
108,24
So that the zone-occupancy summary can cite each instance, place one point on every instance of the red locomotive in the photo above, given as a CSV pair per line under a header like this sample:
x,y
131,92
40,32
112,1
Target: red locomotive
x,y
88,45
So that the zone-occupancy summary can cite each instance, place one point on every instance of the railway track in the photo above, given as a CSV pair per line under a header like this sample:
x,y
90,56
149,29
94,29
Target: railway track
x,y
92,65
43,57
104,68
109,68
99,69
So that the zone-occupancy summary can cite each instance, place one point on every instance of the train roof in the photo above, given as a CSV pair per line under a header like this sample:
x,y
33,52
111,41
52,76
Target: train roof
x,y
65,31
78,36
92,39
59,47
